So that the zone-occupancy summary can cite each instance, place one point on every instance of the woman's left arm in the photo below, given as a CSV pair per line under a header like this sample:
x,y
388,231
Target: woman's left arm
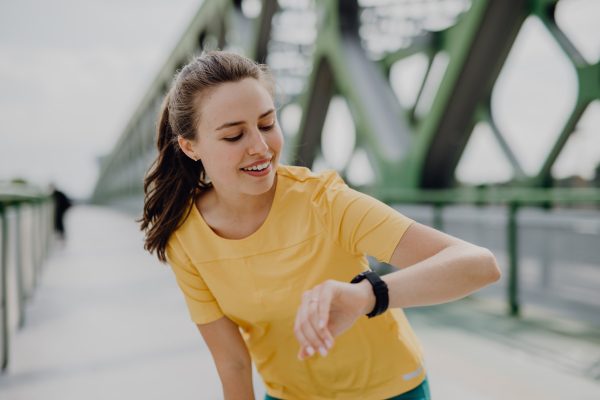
x,y
436,268
442,269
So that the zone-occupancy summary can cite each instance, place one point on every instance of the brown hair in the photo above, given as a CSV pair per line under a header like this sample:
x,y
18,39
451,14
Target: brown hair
x,y
173,178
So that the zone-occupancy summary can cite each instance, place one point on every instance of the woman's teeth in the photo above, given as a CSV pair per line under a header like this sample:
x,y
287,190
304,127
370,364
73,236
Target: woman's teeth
x,y
258,167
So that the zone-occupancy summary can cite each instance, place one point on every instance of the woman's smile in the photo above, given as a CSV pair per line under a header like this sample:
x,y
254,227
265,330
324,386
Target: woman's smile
x,y
259,168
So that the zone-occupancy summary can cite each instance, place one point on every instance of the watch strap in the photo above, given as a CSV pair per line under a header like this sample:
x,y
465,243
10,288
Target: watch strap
x,y
380,290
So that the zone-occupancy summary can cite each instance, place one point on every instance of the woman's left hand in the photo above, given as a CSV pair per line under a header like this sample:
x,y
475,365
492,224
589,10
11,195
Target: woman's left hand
x,y
327,311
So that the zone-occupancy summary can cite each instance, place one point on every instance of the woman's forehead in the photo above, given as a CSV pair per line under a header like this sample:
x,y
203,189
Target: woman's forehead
x,y
245,92
236,101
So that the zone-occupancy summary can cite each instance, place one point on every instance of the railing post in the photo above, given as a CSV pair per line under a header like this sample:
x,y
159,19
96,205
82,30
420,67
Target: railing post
x,y
19,265
50,219
4,297
513,259
40,234
36,240
438,216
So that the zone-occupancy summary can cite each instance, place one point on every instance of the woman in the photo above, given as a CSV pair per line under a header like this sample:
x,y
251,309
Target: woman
x,y
264,253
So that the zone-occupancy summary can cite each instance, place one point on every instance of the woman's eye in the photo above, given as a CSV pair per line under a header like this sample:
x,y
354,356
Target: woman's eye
x,y
265,128
234,138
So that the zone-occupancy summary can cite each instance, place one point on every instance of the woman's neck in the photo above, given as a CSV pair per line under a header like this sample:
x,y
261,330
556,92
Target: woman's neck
x,y
235,215
242,205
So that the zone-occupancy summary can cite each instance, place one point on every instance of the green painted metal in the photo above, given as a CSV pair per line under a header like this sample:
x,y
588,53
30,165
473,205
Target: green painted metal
x,y
19,266
15,196
513,255
492,195
414,161
330,50
438,216
589,85
216,18
485,114
4,299
456,41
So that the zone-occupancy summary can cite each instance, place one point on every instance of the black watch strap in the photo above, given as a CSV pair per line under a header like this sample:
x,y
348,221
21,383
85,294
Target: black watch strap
x,y
380,289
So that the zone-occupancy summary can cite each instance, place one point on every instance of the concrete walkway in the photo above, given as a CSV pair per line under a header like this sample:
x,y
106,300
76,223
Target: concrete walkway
x,y
108,321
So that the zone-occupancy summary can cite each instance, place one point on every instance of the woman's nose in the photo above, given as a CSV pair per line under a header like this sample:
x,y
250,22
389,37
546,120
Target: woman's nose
x,y
257,142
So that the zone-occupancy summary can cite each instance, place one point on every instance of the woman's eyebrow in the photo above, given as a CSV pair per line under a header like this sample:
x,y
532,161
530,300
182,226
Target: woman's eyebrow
x,y
230,124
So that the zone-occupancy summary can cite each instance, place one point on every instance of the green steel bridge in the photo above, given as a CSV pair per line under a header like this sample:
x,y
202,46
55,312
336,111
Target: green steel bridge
x,y
325,49
408,129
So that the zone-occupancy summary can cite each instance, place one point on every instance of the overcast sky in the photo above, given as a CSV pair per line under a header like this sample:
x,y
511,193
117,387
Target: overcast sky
x,y
71,74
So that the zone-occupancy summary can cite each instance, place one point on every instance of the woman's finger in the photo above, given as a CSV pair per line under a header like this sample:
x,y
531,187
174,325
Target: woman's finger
x,y
303,354
306,326
325,299
304,343
315,303
313,307
318,323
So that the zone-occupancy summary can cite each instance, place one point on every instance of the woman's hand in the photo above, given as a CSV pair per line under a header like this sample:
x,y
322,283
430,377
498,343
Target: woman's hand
x,y
327,311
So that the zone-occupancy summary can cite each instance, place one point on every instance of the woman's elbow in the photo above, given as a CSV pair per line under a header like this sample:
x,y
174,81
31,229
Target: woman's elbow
x,y
492,271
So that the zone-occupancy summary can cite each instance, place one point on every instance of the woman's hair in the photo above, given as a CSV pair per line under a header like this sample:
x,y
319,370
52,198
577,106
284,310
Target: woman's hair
x,y
173,178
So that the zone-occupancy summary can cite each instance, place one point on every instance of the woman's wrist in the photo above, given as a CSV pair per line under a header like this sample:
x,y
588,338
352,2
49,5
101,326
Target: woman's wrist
x,y
368,299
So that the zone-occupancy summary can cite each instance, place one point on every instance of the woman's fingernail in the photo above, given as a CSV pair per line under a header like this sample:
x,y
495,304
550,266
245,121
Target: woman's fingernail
x,y
321,324
328,343
322,351
300,358
310,350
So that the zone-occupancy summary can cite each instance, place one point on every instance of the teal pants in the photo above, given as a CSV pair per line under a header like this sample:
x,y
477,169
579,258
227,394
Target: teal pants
x,y
421,392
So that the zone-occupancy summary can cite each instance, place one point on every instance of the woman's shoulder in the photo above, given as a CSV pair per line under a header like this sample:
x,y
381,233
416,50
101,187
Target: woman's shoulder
x,y
317,188
326,178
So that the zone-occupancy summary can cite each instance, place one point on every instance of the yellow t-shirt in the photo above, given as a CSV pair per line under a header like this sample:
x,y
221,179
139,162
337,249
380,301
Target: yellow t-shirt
x,y
317,229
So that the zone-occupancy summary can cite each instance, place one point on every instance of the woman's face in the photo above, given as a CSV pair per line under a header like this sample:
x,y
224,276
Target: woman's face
x,y
238,130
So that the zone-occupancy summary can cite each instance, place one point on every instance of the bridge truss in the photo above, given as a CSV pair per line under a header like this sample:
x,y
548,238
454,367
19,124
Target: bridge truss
x,y
322,51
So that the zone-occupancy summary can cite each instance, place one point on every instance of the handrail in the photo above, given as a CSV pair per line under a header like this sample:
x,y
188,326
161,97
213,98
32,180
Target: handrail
x,y
512,197
488,195
13,199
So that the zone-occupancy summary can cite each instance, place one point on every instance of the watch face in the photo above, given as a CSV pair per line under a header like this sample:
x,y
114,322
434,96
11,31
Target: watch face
x,y
358,277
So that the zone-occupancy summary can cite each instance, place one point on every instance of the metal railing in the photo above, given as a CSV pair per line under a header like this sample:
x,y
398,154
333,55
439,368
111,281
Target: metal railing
x,y
27,228
513,198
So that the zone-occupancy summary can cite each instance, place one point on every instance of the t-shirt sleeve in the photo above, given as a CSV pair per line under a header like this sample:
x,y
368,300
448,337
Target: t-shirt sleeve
x,y
201,303
356,222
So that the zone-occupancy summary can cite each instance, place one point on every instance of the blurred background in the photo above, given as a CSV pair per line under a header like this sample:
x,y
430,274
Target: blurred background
x,y
480,118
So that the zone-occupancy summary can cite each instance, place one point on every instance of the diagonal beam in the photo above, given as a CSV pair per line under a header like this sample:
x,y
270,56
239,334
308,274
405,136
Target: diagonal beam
x,y
544,177
315,113
269,7
547,17
363,82
497,31
506,149
373,94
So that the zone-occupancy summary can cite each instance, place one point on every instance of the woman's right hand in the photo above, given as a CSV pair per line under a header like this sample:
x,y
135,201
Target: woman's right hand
x,y
327,311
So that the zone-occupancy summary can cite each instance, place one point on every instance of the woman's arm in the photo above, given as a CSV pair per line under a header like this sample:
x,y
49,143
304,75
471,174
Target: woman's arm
x,y
231,358
442,269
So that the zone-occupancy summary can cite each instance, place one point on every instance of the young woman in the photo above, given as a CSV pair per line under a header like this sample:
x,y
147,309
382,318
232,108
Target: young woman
x,y
265,253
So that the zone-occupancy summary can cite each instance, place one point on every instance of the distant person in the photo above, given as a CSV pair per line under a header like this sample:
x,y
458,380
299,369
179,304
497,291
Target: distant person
x,y
265,253
61,205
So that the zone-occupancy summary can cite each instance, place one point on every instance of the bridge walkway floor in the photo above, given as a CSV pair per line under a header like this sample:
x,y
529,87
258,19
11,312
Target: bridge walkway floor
x,y
107,320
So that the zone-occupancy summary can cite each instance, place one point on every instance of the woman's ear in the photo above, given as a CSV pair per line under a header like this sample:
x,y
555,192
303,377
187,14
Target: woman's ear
x,y
186,147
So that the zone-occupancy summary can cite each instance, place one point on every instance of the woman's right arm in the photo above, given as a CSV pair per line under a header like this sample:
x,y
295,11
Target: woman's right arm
x,y
231,357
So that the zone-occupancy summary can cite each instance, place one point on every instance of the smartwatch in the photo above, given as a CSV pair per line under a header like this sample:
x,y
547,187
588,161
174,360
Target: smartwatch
x,y
380,289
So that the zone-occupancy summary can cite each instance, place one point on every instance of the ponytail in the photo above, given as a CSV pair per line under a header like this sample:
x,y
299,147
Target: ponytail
x,y
169,187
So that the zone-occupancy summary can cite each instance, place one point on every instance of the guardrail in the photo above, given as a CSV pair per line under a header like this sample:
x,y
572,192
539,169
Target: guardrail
x,y
512,197
26,218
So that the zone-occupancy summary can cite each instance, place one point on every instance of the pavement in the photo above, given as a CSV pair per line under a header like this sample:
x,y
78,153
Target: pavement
x,y
107,320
